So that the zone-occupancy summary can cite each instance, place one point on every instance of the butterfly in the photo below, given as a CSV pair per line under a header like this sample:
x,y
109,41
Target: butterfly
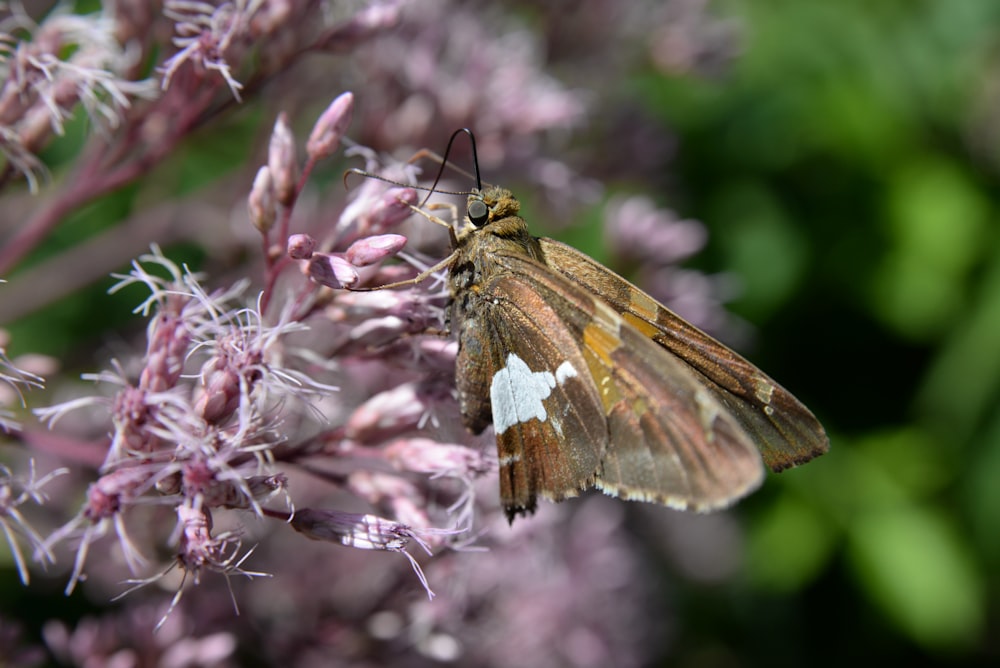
x,y
591,383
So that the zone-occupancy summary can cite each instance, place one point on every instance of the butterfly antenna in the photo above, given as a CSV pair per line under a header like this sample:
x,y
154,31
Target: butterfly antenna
x,y
444,161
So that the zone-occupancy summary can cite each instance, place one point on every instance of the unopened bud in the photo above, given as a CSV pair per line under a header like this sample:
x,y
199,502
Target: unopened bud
x,y
260,203
367,532
391,411
169,338
331,127
368,251
301,246
392,208
426,456
332,271
281,160
220,395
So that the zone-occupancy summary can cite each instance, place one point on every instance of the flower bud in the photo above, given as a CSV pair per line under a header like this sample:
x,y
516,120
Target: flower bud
x,y
392,208
389,412
366,532
281,160
331,127
260,203
332,271
301,246
368,251
424,455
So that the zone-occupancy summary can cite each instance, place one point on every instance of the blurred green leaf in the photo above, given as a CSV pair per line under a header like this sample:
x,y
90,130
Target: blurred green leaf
x,y
981,495
937,220
761,245
912,457
918,569
853,478
962,383
789,545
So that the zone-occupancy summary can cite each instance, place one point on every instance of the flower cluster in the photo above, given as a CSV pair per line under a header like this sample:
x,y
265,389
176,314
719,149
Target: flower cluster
x,y
70,60
293,401
228,393
13,381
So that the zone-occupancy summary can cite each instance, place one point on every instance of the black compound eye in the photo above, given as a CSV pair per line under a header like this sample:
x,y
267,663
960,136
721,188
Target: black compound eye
x,y
479,213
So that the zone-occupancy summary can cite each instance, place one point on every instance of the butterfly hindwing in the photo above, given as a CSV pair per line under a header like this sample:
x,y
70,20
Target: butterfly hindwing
x,y
784,430
676,445
524,374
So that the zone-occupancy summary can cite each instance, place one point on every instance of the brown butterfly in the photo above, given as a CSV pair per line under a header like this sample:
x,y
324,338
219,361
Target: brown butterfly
x,y
589,382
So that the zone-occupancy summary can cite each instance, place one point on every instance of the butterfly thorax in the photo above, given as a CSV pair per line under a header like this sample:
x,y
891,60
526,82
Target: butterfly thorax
x,y
479,249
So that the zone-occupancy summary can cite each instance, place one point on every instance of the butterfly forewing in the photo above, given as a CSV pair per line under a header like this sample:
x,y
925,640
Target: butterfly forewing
x,y
784,430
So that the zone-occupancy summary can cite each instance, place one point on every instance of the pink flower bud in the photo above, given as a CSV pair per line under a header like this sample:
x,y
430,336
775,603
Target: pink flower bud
x,y
111,491
281,160
301,246
331,127
392,208
367,532
423,455
220,395
261,203
388,413
368,251
332,271
168,346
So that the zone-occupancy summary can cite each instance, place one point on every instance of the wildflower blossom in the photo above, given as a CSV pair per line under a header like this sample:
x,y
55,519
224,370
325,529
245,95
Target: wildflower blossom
x,y
301,246
15,492
214,422
395,411
128,631
375,248
205,36
337,405
70,59
13,381
333,271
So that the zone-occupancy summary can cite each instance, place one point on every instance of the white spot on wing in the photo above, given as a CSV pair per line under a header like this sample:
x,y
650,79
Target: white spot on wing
x,y
565,371
517,392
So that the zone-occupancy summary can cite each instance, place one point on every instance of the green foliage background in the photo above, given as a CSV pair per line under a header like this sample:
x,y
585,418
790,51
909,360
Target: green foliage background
x,y
847,168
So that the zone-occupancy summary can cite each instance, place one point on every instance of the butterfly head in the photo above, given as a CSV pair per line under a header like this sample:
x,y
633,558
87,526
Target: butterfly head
x,y
491,204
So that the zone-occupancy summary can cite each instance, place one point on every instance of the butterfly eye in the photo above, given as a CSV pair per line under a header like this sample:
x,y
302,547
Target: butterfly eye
x,y
478,212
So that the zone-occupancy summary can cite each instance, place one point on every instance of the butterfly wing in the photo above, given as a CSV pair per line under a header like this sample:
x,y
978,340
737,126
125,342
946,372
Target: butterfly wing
x,y
784,430
580,397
